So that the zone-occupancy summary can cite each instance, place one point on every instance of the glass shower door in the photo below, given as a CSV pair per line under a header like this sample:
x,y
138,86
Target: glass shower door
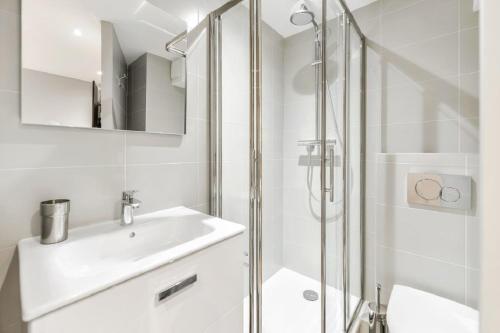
x,y
342,136
333,182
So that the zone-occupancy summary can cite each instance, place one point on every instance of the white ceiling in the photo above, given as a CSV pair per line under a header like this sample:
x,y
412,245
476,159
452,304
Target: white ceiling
x,y
50,45
276,13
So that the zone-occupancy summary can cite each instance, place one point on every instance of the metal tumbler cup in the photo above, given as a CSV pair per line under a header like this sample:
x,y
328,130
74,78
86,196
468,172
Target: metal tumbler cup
x,y
55,216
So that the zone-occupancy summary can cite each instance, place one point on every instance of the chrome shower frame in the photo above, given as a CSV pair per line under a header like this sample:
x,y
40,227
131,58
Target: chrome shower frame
x,y
255,144
213,21
348,22
255,223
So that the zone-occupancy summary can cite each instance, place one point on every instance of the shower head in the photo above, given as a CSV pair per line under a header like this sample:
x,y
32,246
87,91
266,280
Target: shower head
x,y
302,15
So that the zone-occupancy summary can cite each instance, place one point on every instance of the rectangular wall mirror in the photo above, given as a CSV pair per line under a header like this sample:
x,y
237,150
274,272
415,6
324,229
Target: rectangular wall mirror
x,y
102,64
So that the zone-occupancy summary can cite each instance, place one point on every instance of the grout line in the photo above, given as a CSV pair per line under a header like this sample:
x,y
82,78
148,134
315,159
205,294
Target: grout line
x,y
418,83
453,120
63,167
376,255
466,247
406,164
423,41
166,164
10,91
460,139
421,256
463,213
459,68
382,13
476,27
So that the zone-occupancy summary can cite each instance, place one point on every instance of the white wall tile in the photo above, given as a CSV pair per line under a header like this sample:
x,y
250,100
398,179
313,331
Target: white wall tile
x,y
434,234
304,260
29,146
473,282
469,135
366,13
426,137
469,51
437,277
469,95
433,59
436,160
468,17
370,266
419,102
95,194
394,5
164,186
12,6
422,104
374,105
156,149
473,242
422,21
10,51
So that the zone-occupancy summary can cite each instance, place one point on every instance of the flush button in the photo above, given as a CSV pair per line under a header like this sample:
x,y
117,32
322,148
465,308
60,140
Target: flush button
x,y
428,189
450,194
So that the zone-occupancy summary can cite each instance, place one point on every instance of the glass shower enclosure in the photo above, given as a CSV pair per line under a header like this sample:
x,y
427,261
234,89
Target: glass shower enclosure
x,y
287,158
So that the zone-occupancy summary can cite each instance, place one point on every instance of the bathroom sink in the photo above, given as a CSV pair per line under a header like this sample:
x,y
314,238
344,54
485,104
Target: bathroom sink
x,y
100,256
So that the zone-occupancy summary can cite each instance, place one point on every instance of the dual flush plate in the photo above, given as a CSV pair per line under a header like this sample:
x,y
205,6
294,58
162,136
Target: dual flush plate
x,y
438,190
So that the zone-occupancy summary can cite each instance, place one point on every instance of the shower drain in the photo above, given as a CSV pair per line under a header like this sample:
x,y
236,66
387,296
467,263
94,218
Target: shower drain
x,y
310,295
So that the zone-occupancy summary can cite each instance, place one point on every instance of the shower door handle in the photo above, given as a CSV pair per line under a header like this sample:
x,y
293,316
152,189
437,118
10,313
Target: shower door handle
x,y
331,160
332,173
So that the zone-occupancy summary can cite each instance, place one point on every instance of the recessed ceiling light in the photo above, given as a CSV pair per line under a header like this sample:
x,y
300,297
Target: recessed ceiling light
x,y
77,32
99,73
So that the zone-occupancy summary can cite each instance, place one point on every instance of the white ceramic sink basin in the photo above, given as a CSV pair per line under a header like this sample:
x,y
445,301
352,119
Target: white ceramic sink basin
x,y
99,256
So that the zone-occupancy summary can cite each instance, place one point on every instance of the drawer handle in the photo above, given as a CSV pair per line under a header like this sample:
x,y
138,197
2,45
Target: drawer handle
x,y
175,288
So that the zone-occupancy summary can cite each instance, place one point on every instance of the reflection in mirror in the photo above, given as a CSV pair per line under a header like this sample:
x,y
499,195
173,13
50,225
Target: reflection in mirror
x,y
102,64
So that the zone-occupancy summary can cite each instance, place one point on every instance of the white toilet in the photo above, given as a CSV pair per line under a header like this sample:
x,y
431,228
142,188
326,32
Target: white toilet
x,y
415,311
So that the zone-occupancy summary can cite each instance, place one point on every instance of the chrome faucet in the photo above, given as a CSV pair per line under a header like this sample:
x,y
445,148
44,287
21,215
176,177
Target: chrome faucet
x,y
129,204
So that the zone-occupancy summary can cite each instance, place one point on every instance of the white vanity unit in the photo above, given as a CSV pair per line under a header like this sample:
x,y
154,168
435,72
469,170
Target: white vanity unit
x,y
175,270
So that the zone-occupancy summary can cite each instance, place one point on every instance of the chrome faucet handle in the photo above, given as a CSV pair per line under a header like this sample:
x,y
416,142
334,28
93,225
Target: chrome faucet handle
x,y
128,195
